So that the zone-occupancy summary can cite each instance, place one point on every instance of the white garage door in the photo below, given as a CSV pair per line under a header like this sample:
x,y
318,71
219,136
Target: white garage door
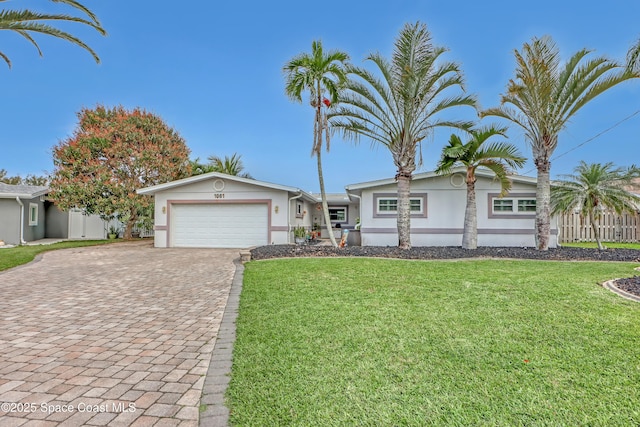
x,y
219,225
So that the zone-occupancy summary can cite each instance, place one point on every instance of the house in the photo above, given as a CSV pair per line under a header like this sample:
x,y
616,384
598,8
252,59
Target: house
x,y
215,210
438,206
26,215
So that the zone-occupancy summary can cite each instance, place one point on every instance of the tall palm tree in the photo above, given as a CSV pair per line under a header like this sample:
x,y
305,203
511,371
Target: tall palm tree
x,y
230,165
545,94
321,74
26,22
398,110
476,153
593,188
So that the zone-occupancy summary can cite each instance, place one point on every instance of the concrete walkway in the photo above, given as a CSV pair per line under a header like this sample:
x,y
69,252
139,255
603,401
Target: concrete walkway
x,y
118,335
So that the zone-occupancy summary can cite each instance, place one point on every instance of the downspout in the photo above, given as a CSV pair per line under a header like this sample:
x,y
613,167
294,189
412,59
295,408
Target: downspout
x,y
359,209
22,241
289,214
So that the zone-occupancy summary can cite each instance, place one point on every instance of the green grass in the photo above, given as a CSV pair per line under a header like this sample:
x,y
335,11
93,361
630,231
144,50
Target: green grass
x,y
13,257
377,342
611,245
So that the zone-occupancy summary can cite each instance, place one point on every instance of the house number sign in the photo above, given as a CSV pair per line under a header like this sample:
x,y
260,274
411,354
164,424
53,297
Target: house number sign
x,y
218,196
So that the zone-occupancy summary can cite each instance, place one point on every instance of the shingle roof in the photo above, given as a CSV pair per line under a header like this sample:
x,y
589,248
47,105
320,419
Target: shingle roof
x,y
22,191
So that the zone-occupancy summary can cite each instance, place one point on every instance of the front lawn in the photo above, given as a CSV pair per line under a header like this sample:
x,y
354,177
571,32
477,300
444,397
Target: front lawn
x,y
332,342
12,257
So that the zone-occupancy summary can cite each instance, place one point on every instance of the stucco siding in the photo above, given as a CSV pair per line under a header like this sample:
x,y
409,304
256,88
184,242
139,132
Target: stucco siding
x,y
9,221
57,222
36,230
443,221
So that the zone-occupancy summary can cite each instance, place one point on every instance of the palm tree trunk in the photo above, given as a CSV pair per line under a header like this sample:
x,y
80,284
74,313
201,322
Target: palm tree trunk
x,y
543,201
404,211
596,232
325,205
470,233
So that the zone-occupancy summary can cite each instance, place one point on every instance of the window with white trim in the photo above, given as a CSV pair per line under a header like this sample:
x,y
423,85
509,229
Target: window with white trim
x,y
338,214
299,210
390,205
514,205
33,214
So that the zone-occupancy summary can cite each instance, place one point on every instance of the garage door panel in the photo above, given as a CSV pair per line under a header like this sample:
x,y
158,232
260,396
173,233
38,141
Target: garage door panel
x,y
219,225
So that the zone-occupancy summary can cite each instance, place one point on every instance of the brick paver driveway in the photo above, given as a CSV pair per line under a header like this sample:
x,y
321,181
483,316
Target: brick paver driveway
x,y
112,335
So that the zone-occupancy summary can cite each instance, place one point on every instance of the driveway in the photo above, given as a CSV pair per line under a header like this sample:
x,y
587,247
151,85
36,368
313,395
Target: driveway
x,y
117,335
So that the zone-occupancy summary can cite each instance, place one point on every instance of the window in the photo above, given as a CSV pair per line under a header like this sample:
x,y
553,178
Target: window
x,y
299,210
503,205
391,205
338,214
526,205
386,205
33,214
517,205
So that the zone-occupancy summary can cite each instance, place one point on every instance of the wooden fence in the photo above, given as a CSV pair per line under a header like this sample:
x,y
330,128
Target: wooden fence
x,y
612,228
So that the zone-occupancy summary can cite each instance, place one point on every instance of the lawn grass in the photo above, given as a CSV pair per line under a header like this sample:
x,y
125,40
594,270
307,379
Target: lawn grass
x,y
13,257
610,245
379,342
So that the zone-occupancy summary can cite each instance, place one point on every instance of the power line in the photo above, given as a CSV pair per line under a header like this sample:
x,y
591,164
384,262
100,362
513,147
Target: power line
x,y
592,138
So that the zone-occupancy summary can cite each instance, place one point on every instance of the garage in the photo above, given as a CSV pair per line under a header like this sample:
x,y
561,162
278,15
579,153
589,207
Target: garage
x,y
219,225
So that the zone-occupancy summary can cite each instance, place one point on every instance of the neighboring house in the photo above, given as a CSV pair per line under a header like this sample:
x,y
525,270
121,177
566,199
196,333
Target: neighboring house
x,y
26,215
438,206
215,210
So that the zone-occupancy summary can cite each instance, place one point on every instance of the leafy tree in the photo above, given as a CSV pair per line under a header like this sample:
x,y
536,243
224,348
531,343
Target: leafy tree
x,y
198,168
321,74
400,109
592,189
112,153
545,94
26,22
476,153
12,180
230,165
28,180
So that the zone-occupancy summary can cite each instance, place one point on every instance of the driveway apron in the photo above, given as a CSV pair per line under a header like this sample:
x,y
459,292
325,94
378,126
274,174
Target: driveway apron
x,y
117,335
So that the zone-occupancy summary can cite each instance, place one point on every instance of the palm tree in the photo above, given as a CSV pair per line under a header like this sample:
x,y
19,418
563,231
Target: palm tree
x,y
230,165
322,74
633,57
545,94
26,22
399,110
498,157
592,189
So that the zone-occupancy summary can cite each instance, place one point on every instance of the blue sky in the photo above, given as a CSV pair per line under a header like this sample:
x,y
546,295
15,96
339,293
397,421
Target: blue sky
x,y
213,71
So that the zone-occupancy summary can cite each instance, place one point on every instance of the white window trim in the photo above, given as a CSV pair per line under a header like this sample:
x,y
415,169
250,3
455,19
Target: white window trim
x,y
299,209
377,197
346,214
515,213
33,212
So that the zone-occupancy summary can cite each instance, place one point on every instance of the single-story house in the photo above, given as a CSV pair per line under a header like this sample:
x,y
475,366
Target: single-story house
x,y
438,206
26,215
224,211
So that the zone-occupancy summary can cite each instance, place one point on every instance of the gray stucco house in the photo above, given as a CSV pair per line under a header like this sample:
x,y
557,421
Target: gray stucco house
x,y
26,215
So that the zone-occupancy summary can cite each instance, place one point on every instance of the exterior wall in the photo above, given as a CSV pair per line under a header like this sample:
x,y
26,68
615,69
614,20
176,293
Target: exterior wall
x,y
443,221
37,231
10,221
304,218
218,190
57,222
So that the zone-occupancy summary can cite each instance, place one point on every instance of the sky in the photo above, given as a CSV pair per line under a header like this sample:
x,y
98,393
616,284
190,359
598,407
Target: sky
x,y
213,71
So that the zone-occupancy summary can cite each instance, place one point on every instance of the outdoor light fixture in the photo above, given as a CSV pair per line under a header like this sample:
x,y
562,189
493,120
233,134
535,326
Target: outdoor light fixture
x,y
164,209
276,209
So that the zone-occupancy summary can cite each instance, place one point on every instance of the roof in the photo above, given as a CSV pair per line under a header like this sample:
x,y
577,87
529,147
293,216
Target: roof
x,y
9,191
206,176
432,174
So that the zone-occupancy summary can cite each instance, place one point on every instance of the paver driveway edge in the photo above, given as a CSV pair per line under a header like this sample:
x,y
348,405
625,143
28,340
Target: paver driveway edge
x,y
215,413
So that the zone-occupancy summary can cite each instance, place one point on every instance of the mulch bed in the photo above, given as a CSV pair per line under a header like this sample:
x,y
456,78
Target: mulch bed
x,y
631,285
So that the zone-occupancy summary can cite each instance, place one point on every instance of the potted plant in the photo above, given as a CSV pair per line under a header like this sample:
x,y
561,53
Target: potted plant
x,y
300,235
113,232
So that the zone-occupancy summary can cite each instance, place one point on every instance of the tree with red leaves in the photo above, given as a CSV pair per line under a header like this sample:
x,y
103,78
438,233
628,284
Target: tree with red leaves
x,y
112,153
